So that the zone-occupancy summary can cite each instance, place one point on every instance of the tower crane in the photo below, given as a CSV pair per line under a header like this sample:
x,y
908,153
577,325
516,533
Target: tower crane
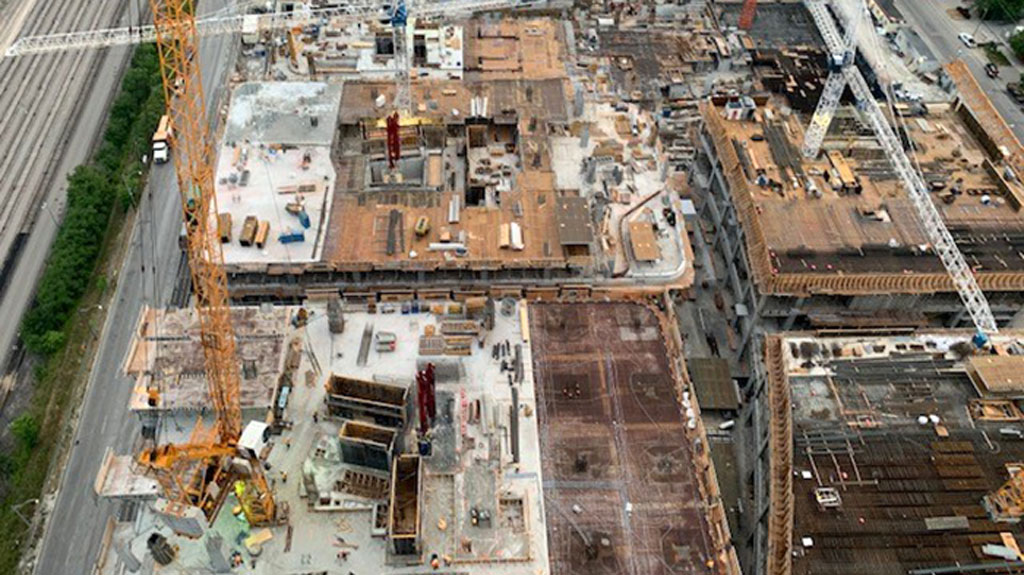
x,y
403,60
201,472
841,55
747,13
353,10
841,50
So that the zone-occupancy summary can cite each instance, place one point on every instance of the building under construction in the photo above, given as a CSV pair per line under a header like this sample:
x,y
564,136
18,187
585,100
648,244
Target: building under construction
x,y
511,171
515,293
886,453
393,446
834,241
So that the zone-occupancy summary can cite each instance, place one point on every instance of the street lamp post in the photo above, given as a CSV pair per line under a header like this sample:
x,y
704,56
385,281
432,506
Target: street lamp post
x,y
17,510
46,208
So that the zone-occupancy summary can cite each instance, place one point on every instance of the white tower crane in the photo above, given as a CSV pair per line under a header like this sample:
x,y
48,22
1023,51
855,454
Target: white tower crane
x,y
841,54
928,215
354,10
403,59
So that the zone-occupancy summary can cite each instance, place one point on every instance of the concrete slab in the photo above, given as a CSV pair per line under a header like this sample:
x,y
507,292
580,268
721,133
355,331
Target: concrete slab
x,y
471,467
273,179
299,113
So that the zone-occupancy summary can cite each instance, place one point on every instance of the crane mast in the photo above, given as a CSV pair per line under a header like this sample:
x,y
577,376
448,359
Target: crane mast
x,y
187,471
403,61
928,215
841,53
178,46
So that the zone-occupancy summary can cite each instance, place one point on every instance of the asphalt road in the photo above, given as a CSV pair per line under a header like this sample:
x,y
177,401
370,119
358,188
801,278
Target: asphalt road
x,y
75,524
931,19
51,108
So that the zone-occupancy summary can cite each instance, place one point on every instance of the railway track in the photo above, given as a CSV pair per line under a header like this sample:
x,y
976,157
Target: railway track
x,y
39,100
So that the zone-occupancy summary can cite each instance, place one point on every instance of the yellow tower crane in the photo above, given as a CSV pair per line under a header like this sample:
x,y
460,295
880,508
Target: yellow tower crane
x,y
212,464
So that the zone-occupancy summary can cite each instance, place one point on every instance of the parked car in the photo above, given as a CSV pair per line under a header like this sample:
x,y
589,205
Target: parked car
x,y
1015,92
386,341
967,39
964,11
992,70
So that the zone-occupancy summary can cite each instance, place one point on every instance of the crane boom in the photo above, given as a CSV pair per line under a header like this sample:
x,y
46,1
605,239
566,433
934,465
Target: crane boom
x,y
928,215
354,10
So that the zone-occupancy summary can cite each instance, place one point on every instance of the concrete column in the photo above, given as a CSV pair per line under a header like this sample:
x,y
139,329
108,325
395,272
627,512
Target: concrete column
x,y
794,311
957,318
747,336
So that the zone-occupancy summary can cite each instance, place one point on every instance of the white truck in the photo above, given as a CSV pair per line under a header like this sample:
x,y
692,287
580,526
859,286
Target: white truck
x,y
162,141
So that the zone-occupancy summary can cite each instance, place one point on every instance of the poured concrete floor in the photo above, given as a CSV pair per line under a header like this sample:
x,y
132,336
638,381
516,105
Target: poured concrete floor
x,y
618,476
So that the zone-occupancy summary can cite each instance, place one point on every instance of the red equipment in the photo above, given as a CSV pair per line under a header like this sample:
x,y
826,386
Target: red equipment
x,y
394,143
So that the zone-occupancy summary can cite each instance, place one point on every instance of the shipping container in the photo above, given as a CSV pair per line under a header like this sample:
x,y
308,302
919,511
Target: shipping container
x,y
248,235
224,227
262,231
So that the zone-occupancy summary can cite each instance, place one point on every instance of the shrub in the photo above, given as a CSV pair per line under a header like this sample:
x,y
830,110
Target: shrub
x,y
92,193
26,430
1017,43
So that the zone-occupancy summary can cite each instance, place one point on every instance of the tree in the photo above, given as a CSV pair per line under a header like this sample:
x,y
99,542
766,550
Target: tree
x,y
1017,43
26,430
1004,10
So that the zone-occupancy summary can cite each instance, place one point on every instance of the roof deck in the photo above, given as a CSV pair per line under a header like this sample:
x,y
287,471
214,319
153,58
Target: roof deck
x,y
811,228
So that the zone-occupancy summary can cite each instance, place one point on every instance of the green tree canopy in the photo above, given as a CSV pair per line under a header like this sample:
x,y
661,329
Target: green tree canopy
x,y
1003,10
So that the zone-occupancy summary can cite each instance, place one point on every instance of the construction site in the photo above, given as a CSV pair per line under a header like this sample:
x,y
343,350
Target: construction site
x,y
858,255
595,288
396,435
888,453
507,168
